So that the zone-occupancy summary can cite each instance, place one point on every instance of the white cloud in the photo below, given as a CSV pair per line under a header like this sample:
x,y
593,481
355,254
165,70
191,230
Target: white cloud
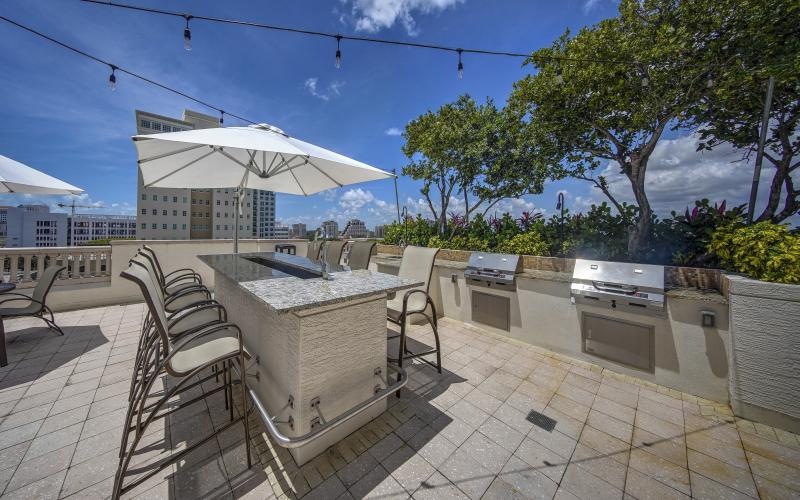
x,y
589,5
354,199
372,16
677,175
333,89
393,131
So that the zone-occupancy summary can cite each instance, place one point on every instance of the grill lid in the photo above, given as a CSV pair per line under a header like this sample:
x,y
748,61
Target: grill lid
x,y
498,262
619,277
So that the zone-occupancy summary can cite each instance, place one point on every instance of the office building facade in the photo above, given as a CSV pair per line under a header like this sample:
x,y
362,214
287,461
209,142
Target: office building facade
x,y
355,229
84,228
183,214
298,231
330,229
32,226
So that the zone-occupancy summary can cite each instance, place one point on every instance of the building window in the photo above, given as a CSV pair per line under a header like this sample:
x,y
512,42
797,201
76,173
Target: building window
x,y
144,211
174,199
175,213
155,197
144,197
154,226
184,199
183,226
155,212
217,227
217,200
163,212
174,226
184,213
146,124
156,126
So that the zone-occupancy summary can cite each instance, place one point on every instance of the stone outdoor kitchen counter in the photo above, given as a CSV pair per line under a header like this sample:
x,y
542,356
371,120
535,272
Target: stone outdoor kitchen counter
x,y
283,292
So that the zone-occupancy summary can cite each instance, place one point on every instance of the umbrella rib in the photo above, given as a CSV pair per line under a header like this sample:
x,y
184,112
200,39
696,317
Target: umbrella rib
x,y
298,182
324,173
181,168
225,153
179,151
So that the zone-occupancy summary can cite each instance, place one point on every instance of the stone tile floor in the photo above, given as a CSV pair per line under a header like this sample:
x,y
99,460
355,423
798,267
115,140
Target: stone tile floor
x,y
464,433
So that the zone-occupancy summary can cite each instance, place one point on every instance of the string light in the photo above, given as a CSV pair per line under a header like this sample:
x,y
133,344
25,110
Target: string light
x,y
114,68
338,62
559,76
187,35
221,117
112,78
460,65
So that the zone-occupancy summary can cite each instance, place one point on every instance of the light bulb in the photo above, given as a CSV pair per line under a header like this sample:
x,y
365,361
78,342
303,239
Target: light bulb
x,y
460,65
645,81
187,39
338,62
112,79
559,77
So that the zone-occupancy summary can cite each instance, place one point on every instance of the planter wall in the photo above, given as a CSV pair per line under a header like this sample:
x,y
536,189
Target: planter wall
x,y
765,351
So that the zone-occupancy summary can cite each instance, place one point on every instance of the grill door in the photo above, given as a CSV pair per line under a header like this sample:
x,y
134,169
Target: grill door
x,y
492,310
620,341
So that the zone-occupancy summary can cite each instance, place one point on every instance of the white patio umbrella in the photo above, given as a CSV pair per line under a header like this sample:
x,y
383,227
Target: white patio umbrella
x,y
16,177
257,157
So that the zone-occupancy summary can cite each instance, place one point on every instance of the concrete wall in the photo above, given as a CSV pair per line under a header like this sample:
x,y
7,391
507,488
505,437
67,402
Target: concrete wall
x,y
765,354
688,357
173,254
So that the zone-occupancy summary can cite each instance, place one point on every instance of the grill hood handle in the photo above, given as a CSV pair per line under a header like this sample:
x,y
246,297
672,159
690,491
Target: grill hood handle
x,y
606,287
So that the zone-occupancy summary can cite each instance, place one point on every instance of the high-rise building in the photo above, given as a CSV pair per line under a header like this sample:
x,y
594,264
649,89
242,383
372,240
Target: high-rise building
x,y
379,231
330,229
298,231
84,228
32,226
182,214
281,231
355,229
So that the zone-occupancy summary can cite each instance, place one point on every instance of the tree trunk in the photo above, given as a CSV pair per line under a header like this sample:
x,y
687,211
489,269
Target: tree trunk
x,y
466,204
443,216
774,197
639,235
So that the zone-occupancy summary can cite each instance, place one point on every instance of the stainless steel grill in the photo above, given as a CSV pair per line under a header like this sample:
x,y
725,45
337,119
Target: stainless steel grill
x,y
496,270
637,288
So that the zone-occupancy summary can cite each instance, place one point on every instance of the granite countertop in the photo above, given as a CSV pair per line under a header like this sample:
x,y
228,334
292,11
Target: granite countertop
x,y
284,292
677,292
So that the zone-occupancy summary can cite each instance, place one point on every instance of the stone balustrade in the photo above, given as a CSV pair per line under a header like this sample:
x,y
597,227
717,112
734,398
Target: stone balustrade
x,y
21,266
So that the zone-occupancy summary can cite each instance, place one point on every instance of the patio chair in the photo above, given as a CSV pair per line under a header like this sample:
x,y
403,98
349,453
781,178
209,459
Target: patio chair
x,y
15,305
332,252
179,295
184,362
417,264
360,254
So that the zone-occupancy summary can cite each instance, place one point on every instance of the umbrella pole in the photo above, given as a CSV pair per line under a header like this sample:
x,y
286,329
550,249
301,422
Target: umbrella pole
x,y
236,223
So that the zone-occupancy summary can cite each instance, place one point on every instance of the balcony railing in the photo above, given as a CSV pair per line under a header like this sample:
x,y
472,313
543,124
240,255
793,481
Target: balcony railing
x,y
22,266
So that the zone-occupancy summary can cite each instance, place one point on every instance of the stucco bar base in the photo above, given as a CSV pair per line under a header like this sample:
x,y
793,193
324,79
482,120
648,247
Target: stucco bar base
x,y
765,354
329,353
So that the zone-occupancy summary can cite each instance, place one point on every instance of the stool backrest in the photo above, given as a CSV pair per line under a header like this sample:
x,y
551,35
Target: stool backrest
x,y
143,260
333,252
312,251
417,264
360,254
150,292
156,264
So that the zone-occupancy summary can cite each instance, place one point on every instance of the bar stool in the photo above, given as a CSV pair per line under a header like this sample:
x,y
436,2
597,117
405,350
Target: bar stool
x,y
183,359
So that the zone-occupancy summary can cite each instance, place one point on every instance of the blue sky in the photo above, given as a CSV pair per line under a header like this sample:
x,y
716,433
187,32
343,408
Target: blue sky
x,y
57,113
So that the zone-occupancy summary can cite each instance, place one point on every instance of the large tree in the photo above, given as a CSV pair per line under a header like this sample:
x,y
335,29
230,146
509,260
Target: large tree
x,y
608,93
474,150
746,43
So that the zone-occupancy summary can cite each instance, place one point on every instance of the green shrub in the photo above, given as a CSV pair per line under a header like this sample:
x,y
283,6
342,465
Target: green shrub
x,y
528,243
468,242
764,251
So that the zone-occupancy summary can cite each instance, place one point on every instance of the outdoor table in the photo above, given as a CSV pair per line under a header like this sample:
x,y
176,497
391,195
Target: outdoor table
x,y
7,287
317,346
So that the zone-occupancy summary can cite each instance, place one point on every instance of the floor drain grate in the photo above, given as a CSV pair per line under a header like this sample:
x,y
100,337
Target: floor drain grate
x,y
541,420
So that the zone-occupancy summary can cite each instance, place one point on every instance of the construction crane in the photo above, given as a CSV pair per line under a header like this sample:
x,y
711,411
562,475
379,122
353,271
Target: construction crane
x,y
73,206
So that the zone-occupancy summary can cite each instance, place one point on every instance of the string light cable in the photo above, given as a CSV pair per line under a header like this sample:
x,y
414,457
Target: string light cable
x,y
338,37
116,69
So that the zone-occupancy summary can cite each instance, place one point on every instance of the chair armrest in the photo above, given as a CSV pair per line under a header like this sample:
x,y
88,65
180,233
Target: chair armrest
x,y
222,314
183,277
180,344
187,291
411,292
183,310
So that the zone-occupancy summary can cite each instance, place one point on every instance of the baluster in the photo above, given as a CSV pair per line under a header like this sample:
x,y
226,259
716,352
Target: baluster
x,y
26,267
13,268
107,259
92,266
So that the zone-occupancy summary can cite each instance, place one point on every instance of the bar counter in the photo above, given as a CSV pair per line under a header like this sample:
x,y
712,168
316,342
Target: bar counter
x,y
313,341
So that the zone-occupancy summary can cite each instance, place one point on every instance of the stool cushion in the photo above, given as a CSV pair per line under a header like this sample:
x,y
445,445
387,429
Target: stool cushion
x,y
203,349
